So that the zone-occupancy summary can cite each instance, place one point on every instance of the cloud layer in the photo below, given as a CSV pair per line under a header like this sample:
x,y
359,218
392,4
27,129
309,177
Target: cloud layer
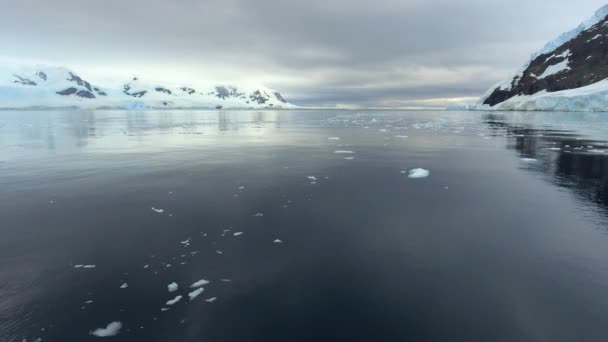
x,y
357,52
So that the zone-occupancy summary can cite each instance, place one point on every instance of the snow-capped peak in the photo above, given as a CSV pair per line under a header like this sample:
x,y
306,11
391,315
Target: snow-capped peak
x,y
44,86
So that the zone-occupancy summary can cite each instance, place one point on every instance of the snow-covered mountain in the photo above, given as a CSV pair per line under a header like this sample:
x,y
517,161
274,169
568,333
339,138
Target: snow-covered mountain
x,y
43,86
569,74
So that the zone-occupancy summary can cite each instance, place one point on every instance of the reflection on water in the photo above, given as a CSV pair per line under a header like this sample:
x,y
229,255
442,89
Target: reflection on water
x,y
570,155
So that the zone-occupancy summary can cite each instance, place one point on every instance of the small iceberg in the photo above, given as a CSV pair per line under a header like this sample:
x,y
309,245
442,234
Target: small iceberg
x,y
195,293
418,173
111,330
172,287
343,152
160,211
174,300
199,283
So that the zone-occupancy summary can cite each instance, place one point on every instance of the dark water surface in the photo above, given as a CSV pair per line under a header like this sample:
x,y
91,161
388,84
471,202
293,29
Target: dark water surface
x,y
506,240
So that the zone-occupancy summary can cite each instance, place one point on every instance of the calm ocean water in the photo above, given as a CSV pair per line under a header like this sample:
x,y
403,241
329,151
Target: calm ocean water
x,y
305,224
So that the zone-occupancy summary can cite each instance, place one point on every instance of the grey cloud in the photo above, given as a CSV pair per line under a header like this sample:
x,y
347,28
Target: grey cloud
x,y
299,47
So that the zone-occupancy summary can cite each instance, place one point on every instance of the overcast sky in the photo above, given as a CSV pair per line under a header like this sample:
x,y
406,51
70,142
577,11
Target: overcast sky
x,y
317,52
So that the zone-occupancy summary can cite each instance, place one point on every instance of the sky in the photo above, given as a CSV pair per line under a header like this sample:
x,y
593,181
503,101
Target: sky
x,y
330,53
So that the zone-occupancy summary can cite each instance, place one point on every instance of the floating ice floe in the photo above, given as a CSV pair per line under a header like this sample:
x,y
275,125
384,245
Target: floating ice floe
x,y
343,152
112,329
172,287
312,178
124,285
278,241
199,283
192,295
258,215
553,149
164,309
211,300
596,151
226,280
349,158
146,266
160,211
333,138
401,136
238,234
528,160
174,300
89,266
88,302
418,173
219,252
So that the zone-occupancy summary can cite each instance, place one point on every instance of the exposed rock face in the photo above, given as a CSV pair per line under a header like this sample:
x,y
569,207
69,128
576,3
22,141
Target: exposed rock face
x,y
222,92
258,97
42,75
80,93
100,92
163,90
279,97
579,62
127,89
68,91
24,81
190,91
76,79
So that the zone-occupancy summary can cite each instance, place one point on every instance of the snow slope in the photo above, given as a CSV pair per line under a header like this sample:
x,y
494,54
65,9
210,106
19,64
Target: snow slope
x,y
43,86
568,74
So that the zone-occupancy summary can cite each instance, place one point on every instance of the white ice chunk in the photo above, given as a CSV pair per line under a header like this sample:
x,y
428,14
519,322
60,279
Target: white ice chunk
x,y
199,283
174,300
111,330
160,211
172,287
211,300
278,241
418,173
124,285
195,293
238,234
343,152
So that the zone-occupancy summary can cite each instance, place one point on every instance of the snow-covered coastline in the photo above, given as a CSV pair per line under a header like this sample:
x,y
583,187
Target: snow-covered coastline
x,y
568,74
52,87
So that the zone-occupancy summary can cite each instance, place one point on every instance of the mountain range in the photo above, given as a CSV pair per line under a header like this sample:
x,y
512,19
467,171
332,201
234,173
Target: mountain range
x,y
47,87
